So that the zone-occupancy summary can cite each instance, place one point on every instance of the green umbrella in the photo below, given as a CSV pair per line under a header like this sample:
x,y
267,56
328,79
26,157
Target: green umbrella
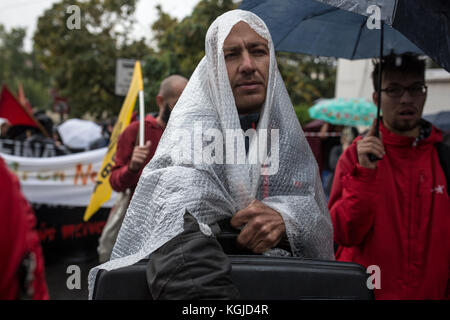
x,y
345,112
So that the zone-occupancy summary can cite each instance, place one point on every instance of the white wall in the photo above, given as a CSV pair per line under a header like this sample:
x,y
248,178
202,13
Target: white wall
x,y
353,80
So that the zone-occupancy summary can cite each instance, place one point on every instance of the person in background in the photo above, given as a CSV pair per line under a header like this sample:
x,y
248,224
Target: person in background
x,y
348,134
59,145
37,136
4,127
181,205
103,141
329,138
394,212
22,274
130,159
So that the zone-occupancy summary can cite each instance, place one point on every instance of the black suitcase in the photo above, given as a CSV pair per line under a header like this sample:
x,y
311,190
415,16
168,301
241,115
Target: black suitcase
x,y
257,278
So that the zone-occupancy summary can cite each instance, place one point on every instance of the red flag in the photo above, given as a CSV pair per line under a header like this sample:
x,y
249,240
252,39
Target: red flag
x,y
22,99
12,110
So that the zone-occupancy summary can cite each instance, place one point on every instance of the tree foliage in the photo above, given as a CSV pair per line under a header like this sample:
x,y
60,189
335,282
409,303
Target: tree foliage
x,y
181,46
307,78
82,61
184,41
20,67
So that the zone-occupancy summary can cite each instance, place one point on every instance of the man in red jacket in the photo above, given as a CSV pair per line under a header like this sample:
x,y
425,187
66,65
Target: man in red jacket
x,y
21,260
394,213
130,159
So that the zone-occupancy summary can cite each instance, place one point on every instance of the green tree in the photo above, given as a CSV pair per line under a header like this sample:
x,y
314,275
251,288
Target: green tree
x,y
184,41
82,61
20,67
307,78
181,46
12,54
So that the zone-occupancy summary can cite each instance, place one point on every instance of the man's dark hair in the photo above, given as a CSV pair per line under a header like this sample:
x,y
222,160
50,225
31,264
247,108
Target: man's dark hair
x,y
45,120
407,63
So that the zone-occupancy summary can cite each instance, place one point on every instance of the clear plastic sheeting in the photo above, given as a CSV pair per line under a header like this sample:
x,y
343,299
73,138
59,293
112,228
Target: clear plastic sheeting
x,y
387,7
175,182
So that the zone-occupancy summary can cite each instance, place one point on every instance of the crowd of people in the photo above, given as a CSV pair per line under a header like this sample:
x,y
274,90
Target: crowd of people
x,y
388,193
48,133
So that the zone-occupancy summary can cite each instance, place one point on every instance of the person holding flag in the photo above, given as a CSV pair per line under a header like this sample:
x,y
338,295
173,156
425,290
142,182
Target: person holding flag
x,y
131,158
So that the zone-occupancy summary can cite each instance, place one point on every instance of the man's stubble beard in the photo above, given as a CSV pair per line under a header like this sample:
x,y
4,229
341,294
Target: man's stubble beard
x,y
404,126
166,114
247,107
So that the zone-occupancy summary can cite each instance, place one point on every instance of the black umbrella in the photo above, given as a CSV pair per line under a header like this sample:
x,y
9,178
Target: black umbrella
x,y
426,23
343,28
440,120
316,28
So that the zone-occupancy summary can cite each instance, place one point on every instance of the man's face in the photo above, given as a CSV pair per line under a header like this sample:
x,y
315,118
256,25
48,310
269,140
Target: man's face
x,y
401,114
247,59
4,128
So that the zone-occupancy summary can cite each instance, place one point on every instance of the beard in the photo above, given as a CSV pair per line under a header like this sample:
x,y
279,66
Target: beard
x,y
166,113
403,126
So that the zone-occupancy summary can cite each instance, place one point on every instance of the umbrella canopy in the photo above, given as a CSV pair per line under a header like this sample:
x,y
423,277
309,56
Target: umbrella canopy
x,y
316,28
426,23
339,28
440,120
346,112
78,134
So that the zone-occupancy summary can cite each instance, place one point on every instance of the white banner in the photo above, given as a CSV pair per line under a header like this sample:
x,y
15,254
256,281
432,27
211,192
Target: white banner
x,y
64,180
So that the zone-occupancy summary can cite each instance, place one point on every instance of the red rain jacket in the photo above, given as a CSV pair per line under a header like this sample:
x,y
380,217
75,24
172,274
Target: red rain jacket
x,y
121,178
18,239
396,216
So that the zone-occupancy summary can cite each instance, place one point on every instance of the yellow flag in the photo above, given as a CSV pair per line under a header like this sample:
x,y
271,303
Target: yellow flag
x,y
102,191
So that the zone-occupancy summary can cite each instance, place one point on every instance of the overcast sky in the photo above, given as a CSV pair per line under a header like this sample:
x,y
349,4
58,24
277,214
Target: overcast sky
x,y
25,13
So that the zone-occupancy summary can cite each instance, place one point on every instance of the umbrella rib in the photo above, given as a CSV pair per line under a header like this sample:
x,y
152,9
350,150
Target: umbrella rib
x,y
357,39
306,18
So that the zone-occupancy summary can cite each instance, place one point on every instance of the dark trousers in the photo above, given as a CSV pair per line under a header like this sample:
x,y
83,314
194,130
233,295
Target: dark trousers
x,y
190,266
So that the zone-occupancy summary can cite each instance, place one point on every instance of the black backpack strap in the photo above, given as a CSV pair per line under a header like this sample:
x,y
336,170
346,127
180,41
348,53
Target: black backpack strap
x,y
443,149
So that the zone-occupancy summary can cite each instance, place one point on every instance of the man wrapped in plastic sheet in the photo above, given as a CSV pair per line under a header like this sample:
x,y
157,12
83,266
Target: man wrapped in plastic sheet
x,y
207,170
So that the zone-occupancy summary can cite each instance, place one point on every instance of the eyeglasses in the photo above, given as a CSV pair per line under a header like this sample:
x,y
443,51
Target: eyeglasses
x,y
416,90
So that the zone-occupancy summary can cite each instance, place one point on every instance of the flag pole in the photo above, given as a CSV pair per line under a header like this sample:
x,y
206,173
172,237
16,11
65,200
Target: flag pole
x,y
141,119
